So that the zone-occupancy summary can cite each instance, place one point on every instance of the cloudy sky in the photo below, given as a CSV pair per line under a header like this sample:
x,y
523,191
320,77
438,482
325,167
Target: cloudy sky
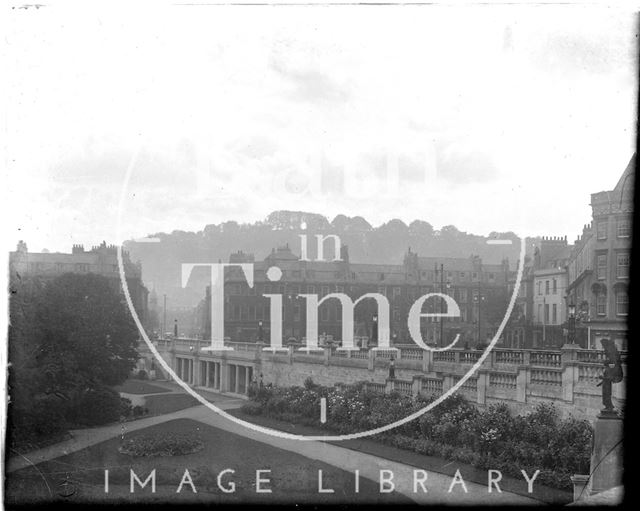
x,y
491,119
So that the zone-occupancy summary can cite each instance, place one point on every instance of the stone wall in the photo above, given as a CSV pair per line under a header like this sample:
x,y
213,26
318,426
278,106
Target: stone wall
x,y
520,378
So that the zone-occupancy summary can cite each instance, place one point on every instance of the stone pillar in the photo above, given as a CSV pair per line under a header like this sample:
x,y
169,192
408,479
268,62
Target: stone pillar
x,y
224,376
569,360
237,385
388,389
290,354
416,386
427,361
521,384
447,382
606,456
327,356
569,379
247,379
483,384
371,360
207,374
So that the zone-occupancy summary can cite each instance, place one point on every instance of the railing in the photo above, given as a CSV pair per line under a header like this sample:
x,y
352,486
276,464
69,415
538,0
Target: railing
x,y
362,354
402,386
386,353
471,385
470,357
503,380
589,373
336,353
378,388
546,377
545,358
431,386
242,346
444,356
509,357
411,354
591,356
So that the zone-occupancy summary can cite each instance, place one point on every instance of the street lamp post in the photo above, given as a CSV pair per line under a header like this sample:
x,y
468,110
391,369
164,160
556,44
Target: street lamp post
x,y
374,330
572,321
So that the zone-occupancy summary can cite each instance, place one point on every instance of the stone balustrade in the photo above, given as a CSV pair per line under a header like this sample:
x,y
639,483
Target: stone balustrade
x,y
521,378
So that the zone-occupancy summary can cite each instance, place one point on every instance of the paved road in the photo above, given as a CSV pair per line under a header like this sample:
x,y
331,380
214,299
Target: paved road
x,y
369,466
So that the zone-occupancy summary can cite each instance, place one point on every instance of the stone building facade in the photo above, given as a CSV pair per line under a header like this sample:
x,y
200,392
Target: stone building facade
x,y
599,266
478,288
101,260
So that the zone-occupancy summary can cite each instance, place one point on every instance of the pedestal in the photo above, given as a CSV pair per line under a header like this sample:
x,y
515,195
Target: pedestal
x,y
606,456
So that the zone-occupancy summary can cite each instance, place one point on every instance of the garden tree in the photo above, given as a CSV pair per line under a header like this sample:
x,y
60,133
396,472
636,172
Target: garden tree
x,y
68,338
86,333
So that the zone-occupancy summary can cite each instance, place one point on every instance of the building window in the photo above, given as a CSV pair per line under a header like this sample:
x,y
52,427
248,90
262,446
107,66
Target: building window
x,y
396,316
325,291
623,229
554,314
463,295
382,290
622,303
462,275
474,276
622,268
546,287
602,267
296,312
339,289
539,287
324,313
546,313
601,304
296,274
252,312
555,287
311,290
492,277
236,312
396,292
602,230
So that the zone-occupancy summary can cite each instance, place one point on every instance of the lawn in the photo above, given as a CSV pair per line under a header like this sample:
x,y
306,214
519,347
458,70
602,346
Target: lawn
x,y
167,403
293,477
139,387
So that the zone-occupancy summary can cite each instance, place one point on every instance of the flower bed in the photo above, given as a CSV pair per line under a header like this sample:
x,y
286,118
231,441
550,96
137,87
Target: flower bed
x,y
456,430
166,444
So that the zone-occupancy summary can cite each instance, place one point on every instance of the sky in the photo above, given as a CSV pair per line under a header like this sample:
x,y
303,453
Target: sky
x,y
488,118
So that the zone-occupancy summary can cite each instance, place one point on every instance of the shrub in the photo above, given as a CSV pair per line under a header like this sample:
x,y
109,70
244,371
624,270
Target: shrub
x,y
161,444
125,407
251,408
455,430
139,411
44,419
142,375
97,406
